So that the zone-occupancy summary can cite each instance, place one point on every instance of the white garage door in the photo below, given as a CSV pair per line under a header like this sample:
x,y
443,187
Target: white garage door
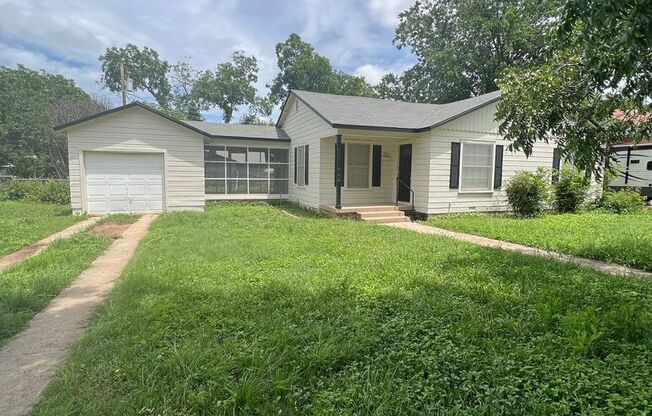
x,y
124,182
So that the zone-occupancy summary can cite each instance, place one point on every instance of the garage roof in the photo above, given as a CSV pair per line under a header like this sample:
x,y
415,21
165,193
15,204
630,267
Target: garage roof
x,y
213,130
344,111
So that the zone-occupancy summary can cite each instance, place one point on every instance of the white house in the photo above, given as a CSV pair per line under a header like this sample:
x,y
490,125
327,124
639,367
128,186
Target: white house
x,y
356,156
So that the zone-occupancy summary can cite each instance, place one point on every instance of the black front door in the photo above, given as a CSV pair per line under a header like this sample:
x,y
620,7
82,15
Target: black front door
x,y
404,172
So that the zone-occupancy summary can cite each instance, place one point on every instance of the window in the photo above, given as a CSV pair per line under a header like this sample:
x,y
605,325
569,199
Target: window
x,y
357,165
649,165
245,170
477,166
301,165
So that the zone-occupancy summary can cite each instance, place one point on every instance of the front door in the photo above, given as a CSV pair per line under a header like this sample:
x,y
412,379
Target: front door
x,y
404,172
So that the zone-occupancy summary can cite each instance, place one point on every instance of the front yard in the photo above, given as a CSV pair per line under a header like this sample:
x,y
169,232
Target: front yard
x,y
245,310
23,223
624,239
28,287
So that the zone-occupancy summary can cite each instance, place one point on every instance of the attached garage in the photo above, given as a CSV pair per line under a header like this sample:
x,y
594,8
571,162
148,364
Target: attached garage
x,y
134,159
137,159
123,182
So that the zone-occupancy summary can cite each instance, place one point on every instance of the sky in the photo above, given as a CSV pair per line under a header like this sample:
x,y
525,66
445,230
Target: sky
x,y
67,36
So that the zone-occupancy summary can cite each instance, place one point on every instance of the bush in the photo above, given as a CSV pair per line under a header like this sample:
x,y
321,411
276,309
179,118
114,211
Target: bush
x,y
623,201
46,191
527,192
571,190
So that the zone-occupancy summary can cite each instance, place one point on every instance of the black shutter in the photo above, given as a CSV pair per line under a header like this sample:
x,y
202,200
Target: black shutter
x,y
556,163
455,166
295,165
498,167
376,164
306,164
342,147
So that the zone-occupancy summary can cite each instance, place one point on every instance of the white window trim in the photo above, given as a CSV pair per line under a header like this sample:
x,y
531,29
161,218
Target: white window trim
x,y
493,166
301,150
346,166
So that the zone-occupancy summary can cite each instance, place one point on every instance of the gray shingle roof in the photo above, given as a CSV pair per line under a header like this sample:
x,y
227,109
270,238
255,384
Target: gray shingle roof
x,y
349,111
248,131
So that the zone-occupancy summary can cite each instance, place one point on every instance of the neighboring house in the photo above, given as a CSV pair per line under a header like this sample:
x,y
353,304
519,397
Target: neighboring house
x,y
633,163
338,154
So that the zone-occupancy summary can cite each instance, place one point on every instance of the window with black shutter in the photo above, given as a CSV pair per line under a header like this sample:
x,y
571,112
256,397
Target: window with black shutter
x,y
377,158
455,166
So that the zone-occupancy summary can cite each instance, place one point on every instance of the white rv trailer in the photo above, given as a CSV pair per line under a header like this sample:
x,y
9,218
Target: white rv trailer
x,y
633,164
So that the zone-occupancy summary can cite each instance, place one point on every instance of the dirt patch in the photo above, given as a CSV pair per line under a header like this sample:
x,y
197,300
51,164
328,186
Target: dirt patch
x,y
111,229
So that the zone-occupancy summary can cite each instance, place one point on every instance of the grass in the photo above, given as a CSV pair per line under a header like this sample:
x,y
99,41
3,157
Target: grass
x,y
245,310
23,223
28,287
619,238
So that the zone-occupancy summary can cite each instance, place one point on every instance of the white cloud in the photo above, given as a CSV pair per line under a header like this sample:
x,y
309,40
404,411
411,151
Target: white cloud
x,y
386,11
371,73
374,73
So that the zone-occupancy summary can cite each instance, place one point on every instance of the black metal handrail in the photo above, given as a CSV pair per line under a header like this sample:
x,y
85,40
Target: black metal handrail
x,y
399,182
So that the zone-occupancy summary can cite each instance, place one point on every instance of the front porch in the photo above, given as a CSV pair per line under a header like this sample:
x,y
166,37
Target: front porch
x,y
366,174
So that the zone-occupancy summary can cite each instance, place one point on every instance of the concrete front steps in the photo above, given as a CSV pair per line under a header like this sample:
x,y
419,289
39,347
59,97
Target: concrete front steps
x,y
381,215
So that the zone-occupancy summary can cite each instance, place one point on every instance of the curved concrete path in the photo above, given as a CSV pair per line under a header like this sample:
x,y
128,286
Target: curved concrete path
x,y
33,249
601,266
30,359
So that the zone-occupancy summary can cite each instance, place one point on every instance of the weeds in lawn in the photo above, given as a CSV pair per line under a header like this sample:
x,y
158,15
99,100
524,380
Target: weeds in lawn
x,y
23,223
244,310
29,287
624,239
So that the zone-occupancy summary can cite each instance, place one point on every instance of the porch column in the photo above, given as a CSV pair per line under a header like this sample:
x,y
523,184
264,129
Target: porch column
x,y
339,171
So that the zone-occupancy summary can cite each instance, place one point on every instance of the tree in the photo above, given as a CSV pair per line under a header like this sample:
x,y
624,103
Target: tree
x,y
231,85
259,112
462,46
390,87
302,68
593,89
31,103
183,78
147,71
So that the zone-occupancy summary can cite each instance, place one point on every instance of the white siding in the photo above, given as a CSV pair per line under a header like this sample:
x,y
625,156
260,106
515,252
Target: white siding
x,y
138,130
478,126
305,127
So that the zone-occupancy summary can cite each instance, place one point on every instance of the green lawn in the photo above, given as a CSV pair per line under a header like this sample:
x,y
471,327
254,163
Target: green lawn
x,y
29,287
245,310
624,239
22,223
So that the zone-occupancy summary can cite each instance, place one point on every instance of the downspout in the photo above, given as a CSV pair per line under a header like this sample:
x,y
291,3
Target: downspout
x,y
339,171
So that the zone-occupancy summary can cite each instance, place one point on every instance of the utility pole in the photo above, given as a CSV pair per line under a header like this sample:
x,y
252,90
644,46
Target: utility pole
x,y
123,83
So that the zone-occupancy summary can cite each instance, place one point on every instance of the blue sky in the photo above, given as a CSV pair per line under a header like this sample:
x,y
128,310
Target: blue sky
x,y
67,36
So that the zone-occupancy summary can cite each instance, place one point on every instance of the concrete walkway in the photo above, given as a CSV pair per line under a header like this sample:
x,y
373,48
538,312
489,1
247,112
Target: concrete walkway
x,y
29,361
489,242
32,250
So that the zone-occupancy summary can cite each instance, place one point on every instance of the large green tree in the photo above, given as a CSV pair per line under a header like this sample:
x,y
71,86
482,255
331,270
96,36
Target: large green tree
x,y
144,67
229,86
301,67
594,88
31,104
462,46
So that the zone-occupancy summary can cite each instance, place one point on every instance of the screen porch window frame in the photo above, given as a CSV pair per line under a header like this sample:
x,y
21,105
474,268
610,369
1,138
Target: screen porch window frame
x,y
491,167
222,177
347,161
